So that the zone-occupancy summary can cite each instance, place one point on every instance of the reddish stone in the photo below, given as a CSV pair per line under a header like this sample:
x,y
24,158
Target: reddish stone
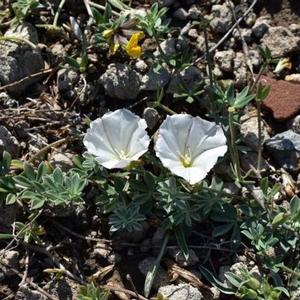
x,y
284,98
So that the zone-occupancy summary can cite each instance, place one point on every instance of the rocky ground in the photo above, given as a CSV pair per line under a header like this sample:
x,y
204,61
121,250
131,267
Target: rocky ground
x,y
45,107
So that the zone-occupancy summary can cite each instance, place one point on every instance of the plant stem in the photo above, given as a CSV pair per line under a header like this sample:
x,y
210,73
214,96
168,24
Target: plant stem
x,y
99,6
235,152
208,57
259,150
17,39
152,273
167,109
61,5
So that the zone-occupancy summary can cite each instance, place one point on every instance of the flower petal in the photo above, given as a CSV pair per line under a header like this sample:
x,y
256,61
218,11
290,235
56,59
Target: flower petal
x,y
183,141
117,138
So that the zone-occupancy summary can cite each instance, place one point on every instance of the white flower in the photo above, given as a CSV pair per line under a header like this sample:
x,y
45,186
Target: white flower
x,y
189,147
117,138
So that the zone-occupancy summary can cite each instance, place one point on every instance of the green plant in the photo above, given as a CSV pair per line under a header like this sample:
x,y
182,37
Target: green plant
x,y
91,292
45,186
23,8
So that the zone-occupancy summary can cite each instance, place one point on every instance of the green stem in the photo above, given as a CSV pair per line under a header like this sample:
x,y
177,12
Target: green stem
x,y
235,152
61,5
259,120
208,58
152,273
99,6
167,109
17,39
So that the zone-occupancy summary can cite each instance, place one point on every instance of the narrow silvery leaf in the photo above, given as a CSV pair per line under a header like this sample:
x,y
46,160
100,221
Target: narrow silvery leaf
x,y
76,29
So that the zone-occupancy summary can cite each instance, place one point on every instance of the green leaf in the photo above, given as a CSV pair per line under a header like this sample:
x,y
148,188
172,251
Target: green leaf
x,y
215,282
264,185
222,229
295,205
4,236
181,240
279,218
10,199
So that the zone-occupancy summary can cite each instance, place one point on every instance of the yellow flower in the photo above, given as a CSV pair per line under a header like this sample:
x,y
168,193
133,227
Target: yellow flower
x,y
114,48
132,48
107,33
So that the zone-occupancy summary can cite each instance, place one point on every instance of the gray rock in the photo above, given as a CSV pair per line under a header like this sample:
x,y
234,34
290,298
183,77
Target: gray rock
x,y
240,70
261,26
281,41
36,142
284,149
180,259
8,142
249,161
167,3
243,33
250,19
19,60
7,217
249,130
141,66
193,33
151,117
296,124
9,258
186,79
295,29
194,12
121,82
154,80
224,59
180,14
180,292
230,188
254,58
162,276
58,50
217,72
62,160
221,18
168,46
25,292
66,79
7,101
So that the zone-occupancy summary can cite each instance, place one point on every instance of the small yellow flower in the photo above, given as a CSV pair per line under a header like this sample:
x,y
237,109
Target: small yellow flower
x,y
114,48
108,33
132,48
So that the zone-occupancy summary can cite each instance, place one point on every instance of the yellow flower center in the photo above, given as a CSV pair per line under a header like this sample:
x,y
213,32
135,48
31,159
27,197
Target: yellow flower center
x,y
123,155
186,160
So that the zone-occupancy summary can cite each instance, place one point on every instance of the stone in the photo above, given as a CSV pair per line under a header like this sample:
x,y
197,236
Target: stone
x,y
36,142
261,26
66,79
180,14
58,50
283,100
168,47
186,80
222,18
19,60
151,116
155,80
62,160
180,292
240,70
194,12
193,33
141,66
162,276
25,292
284,150
9,258
243,33
295,29
87,92
7,101
280,41
249,162
249,130
296,124
178,256
121,82
8,142
166,3
7,217
254,58
225,60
